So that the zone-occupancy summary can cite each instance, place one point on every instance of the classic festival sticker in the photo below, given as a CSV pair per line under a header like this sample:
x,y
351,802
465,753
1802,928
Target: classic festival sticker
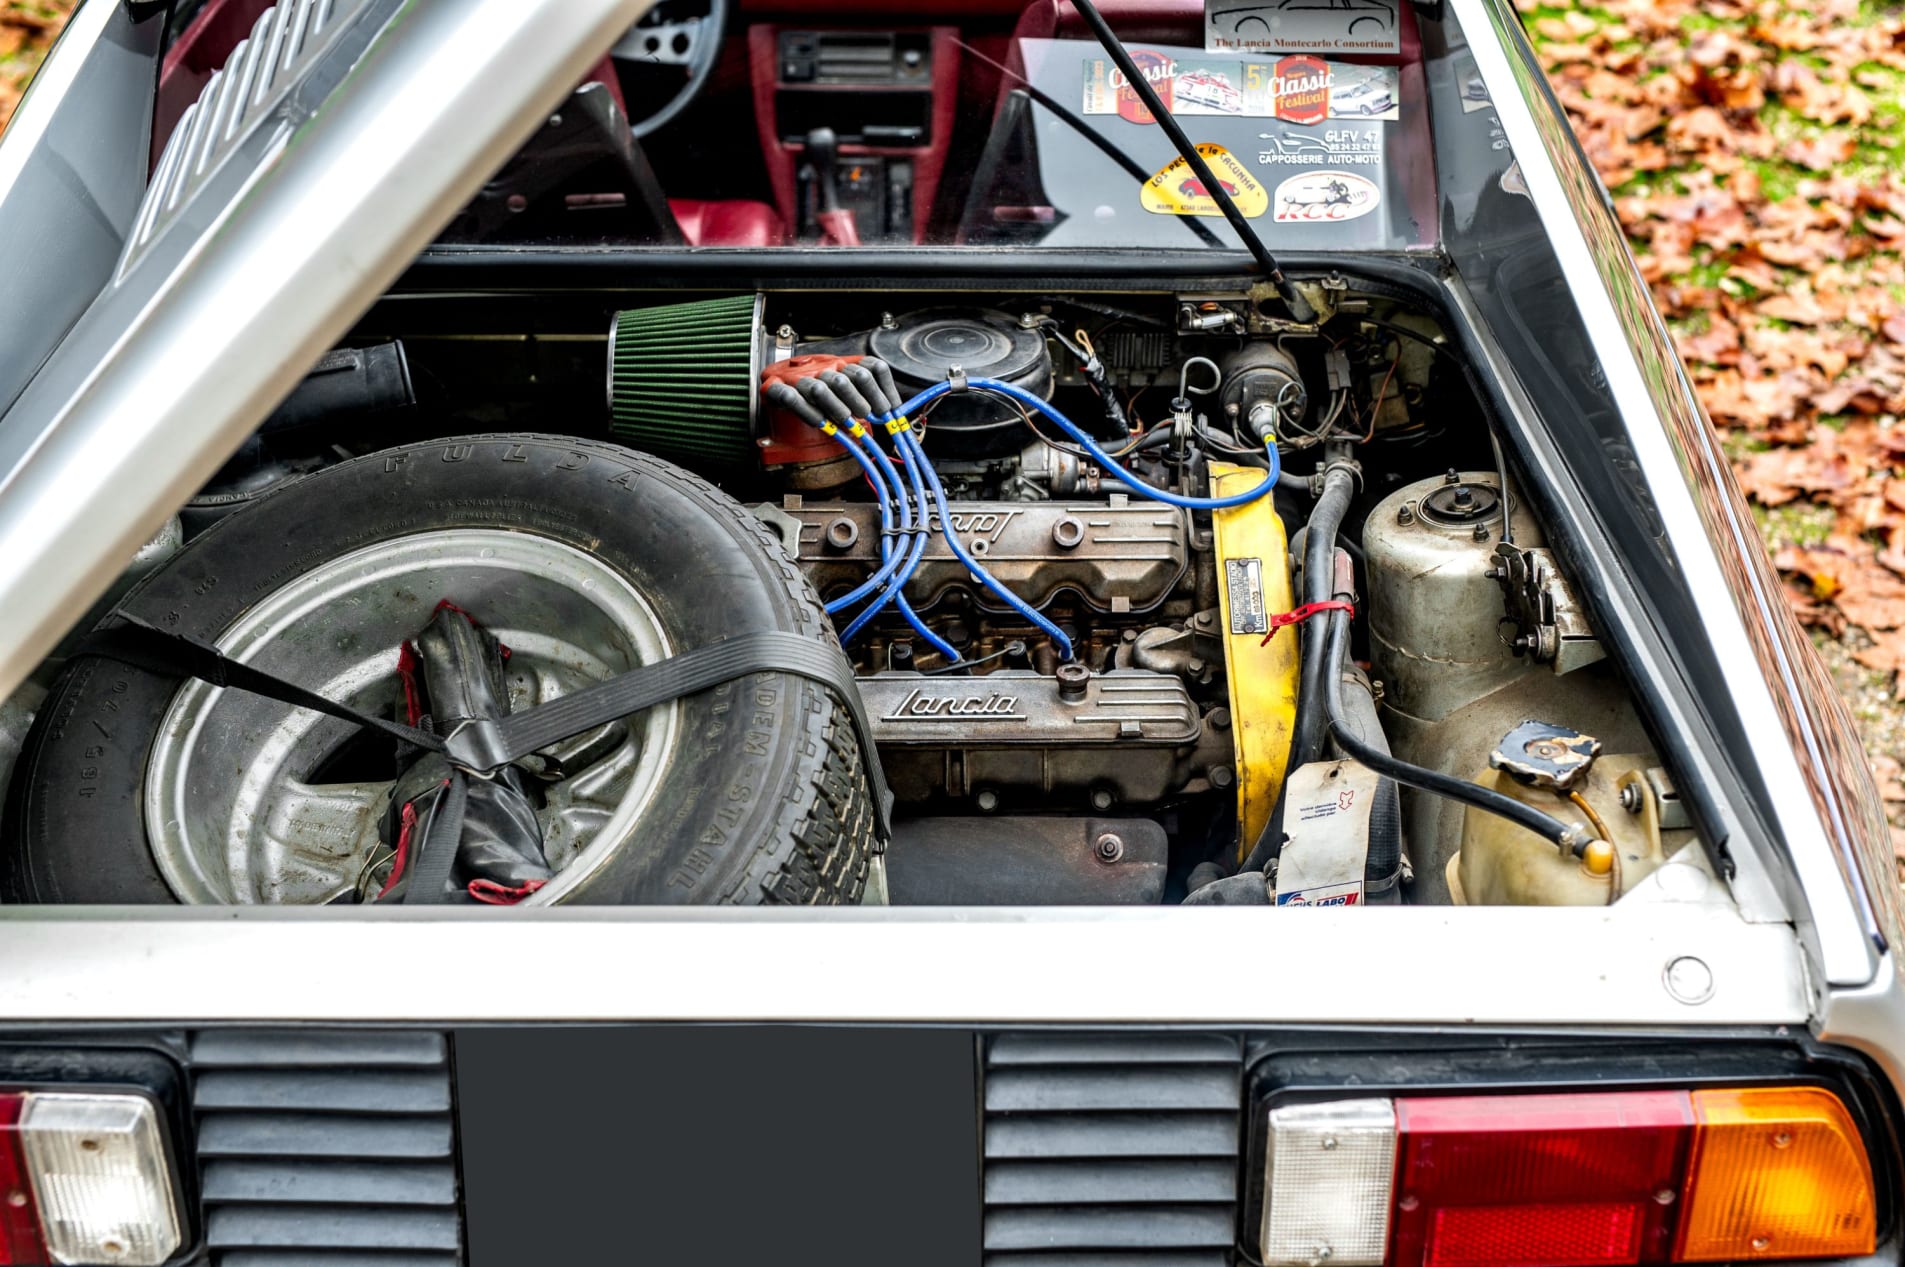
x,y
1325,198
1298,89
1177,191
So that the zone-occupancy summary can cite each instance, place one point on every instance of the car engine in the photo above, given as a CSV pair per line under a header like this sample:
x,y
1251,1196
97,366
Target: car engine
x,y
1085,554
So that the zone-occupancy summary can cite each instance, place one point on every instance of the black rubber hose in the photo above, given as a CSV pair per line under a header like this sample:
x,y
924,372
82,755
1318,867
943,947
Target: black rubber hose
x,y
1383,865
1473,795
1319,583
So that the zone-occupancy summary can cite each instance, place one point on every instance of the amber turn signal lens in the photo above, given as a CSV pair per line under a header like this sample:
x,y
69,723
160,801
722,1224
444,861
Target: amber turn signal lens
x,y
1777,1172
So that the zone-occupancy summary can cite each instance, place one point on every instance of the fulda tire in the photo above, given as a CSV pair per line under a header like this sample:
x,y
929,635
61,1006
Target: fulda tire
x,y
761,798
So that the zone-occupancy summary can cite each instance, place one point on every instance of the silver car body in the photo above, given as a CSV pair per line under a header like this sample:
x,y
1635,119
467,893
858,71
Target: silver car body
x,y
179,358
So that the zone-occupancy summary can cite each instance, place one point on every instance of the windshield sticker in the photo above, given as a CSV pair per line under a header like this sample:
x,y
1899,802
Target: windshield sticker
x,y
1301,26
1176,191
1325,198
1334,147
1298,89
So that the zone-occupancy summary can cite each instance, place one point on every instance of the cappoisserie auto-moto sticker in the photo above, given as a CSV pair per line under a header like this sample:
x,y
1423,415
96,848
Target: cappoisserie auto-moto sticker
x,y
1326,197
1297,89
1178,191
1330,147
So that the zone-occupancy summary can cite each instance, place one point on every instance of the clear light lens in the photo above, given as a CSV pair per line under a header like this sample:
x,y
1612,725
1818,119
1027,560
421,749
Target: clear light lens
x,y
1329,1174
100,1178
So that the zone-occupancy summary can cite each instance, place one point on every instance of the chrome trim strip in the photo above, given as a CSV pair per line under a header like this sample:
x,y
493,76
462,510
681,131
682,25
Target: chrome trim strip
x,y
1842,926
1597,966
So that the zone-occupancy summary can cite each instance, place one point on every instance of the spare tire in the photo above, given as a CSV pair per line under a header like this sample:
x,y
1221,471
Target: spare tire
x,y
584,559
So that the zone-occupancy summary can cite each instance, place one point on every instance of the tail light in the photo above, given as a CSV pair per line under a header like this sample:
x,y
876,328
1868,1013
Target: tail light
x,y
84,1179
1576,1180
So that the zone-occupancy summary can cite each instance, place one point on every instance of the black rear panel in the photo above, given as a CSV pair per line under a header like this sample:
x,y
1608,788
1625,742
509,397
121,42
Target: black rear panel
x,y
719,1144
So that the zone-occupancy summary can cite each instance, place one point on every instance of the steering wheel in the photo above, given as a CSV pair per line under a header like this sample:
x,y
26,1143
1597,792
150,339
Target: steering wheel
x,y
666,37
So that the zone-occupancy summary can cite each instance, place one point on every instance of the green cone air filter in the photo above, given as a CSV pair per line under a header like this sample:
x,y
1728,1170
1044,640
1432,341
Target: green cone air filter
x,y
684,378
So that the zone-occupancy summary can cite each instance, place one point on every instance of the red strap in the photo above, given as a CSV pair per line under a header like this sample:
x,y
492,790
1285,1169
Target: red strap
x,y
1303,613
490,893
407,825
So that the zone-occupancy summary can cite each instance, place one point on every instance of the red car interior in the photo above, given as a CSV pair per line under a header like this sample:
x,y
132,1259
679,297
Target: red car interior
x,y
893,108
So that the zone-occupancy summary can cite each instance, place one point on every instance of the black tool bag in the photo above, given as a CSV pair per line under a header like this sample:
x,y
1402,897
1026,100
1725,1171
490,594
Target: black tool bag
x,y
452,674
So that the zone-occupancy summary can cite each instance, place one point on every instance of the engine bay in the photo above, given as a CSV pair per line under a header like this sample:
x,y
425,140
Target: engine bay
x,y
1147,596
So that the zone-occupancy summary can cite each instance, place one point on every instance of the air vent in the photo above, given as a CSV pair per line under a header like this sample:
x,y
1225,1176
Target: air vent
x,y
1111,1149
322,1144
266,65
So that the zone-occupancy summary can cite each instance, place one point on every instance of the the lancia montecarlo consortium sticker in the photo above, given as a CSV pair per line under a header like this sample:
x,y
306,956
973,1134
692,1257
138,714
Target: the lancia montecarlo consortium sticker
x,y
1178,191
1325,198
1296,89
1302,26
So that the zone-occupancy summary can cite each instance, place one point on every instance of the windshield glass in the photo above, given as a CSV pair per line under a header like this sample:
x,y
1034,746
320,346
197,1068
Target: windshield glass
x,y
1013,128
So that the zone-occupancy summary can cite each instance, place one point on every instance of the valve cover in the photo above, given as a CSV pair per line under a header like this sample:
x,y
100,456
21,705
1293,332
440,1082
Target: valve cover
x,y
1118,556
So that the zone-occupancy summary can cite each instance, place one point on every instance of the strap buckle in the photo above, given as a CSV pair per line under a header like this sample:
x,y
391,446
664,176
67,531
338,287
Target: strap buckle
x,y
476,746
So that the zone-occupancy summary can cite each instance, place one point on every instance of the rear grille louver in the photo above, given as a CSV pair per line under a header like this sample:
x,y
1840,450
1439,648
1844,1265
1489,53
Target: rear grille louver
x,y
327,1147
1111,1150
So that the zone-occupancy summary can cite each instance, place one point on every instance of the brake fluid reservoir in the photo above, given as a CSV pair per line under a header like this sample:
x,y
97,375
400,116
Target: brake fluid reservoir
x,y
1434,610
1253,582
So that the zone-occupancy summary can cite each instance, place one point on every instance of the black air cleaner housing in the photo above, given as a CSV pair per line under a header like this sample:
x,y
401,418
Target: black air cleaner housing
x,y
924,346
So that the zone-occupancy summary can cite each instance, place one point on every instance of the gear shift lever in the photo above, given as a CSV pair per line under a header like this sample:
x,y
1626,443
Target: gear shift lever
x,y
836,222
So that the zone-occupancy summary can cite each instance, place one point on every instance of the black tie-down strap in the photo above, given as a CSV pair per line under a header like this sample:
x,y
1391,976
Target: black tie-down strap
x,y
480,748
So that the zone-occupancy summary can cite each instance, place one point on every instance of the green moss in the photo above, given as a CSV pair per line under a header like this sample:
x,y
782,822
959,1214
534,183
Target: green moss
x,y
1796,523
1778,180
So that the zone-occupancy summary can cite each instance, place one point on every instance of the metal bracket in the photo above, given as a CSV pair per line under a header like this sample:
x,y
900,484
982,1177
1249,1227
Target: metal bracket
x,y
1550,626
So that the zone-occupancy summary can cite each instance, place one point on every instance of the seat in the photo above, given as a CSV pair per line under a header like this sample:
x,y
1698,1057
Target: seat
x,y
727,222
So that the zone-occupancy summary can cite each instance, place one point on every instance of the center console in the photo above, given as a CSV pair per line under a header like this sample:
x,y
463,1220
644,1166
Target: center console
x,y
857,121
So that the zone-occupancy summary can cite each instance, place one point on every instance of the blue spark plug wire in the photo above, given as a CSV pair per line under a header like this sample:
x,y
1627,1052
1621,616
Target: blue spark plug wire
x,y
894,560
1098,454
910,449
910,552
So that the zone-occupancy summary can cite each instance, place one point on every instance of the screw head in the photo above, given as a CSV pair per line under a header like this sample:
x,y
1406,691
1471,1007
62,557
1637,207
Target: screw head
x,y
1406,515
1101,799
1108,847
987,801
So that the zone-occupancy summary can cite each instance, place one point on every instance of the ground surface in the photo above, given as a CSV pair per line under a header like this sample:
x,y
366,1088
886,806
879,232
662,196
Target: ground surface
x,y
1756,151
26,28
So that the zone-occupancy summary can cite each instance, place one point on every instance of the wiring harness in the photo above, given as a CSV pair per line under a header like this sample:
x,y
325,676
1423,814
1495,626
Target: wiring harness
x,y
852,403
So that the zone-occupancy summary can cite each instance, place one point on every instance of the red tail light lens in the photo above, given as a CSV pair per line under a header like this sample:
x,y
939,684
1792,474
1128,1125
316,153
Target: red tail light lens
x,y
19,1222
1539,1180
1594,1179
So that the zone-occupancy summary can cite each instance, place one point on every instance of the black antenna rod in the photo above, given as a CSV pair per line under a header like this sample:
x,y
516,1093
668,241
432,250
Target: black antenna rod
x,y
1300,309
